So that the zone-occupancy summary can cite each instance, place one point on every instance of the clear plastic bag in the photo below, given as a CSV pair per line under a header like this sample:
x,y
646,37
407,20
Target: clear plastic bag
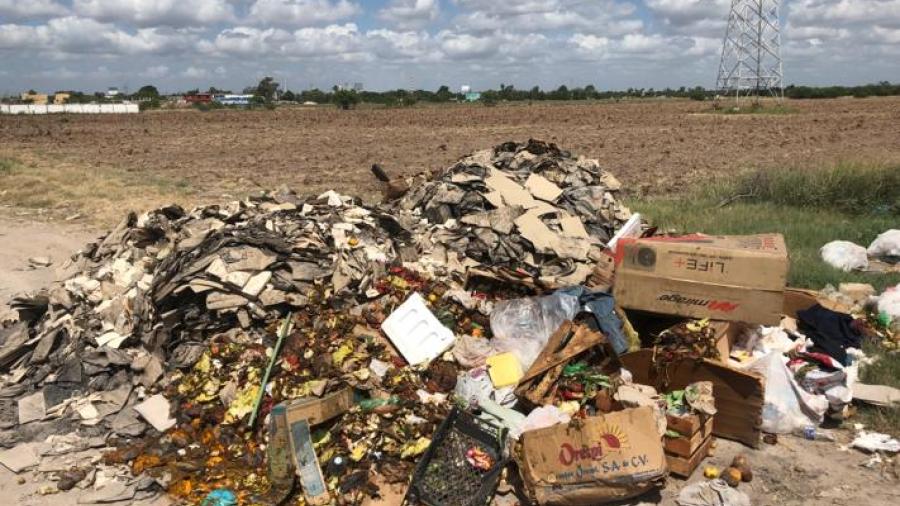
x,y
523,326
787,407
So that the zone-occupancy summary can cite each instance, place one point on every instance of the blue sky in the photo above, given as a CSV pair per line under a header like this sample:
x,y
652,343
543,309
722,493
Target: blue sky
x,y
613,44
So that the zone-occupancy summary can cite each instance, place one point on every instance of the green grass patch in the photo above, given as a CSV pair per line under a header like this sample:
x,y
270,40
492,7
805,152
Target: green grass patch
x,y
810,208
850,188
7,165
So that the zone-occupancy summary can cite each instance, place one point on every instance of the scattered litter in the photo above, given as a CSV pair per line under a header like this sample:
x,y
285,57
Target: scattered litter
x,y
416,333
156,411
711,493
420,342
875,442
39,262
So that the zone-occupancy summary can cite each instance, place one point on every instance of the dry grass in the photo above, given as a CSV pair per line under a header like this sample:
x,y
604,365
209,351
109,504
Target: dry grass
x,y
36,186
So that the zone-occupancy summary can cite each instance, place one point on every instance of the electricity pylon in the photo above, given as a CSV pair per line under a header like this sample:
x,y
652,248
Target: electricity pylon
x,y
751,53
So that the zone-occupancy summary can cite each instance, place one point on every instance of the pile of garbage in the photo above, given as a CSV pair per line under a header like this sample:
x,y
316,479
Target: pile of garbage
x,y
522,211
317,349
175,311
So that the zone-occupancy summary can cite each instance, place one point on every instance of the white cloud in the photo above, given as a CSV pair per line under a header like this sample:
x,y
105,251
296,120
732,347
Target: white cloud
x,y
412,46
74,35
607,17
343,41
176,13
30,9
156,72
193,72
410,14
295,13
883,13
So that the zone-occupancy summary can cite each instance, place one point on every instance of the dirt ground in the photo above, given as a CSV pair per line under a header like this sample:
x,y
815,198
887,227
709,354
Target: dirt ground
x,y
654,146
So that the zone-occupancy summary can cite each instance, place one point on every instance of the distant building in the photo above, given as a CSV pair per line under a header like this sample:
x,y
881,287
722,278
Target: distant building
x,y
61,98
35,98
233,99
473,96
198,98
112,92
465,89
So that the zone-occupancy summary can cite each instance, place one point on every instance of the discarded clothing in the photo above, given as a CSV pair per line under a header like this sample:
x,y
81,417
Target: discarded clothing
x,y
602,306
830,331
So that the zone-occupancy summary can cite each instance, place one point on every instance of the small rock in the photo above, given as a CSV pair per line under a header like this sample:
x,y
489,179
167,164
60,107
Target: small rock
x,y
37,262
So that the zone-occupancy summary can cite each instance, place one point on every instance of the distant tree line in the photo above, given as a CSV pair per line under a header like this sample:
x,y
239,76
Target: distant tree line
x,y
882,89
268,92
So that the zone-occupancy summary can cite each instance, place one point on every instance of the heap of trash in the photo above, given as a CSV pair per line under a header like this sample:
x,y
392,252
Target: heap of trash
x,y
507,310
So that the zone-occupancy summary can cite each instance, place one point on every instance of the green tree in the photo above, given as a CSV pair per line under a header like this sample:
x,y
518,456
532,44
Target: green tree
x,y
288,96
267,88
147,91
345,99
443,94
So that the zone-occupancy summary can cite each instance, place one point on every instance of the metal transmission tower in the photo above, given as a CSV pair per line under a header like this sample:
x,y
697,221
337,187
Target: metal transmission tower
x,y
751,53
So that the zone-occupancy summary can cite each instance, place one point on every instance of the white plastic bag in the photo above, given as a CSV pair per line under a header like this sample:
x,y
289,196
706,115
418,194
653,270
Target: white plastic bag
x,y
886,245
845,255
889,303
787,407
523,326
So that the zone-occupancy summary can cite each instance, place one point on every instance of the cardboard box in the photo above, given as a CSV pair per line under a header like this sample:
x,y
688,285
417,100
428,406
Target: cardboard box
x,y
605,458
735,278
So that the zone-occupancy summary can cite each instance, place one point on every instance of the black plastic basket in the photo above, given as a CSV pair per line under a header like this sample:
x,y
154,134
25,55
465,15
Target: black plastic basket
x,y
443,477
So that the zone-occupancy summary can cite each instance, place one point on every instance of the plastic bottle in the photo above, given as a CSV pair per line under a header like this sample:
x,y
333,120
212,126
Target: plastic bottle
x,y
812,433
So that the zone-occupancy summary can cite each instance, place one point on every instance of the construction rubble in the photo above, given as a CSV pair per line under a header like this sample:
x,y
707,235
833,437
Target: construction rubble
x,y
461,341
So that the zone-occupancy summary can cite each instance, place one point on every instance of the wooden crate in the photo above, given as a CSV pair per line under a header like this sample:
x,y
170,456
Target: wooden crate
x,y
685,466
695,431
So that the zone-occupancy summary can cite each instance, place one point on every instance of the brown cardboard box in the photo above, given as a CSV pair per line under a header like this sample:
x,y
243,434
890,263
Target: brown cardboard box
x,y
735,278
605,458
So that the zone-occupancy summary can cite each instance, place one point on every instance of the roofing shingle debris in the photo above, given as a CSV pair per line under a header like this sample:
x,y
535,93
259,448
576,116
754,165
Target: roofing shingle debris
x,y
156,343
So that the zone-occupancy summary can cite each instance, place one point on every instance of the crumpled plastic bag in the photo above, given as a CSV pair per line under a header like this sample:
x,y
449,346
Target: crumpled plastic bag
x,y
787,407
540,417
886,245
523,326
845,255
875,442
711,493
472,351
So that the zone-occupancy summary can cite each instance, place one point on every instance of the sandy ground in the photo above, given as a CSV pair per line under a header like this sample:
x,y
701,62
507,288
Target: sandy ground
x,y
21,240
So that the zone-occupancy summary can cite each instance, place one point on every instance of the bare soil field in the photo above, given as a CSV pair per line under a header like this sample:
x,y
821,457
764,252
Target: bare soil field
x,y
655,146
